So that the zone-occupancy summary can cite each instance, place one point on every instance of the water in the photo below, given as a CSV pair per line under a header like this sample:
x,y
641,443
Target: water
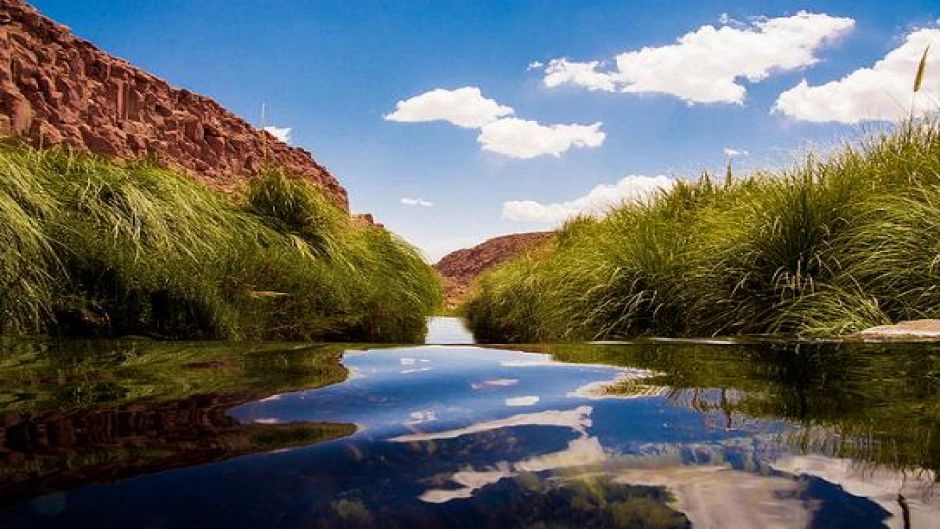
x,y
658,434
448,331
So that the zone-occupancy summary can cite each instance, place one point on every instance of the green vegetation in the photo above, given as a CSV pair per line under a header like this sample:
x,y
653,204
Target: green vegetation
x,y
52,374
827,247
94,247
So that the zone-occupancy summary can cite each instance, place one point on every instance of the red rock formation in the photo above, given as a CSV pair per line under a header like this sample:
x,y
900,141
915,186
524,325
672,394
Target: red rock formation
x,y
460,268
56,88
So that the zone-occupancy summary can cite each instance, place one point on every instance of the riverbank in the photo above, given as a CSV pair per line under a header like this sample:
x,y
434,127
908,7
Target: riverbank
x,y
825,248
108,248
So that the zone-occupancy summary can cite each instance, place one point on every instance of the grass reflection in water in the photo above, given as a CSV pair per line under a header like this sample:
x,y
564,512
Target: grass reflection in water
x,y
81,411
873,403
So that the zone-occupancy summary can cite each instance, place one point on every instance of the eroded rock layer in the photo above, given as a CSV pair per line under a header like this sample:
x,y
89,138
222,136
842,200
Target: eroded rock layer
x,y
56,88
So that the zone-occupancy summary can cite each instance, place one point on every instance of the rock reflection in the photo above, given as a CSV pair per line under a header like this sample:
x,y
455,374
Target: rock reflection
x,y
79,412
58,450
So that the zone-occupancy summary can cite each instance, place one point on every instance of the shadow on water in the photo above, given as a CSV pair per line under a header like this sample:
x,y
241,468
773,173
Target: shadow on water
x,y
655,434
85,411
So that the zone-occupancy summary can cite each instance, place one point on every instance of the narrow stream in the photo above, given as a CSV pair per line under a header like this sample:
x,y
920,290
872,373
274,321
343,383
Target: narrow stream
x,y
450,434
448,331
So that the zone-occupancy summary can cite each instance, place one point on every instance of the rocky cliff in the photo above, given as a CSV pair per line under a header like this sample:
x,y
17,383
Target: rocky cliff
x,y
56,88
460,268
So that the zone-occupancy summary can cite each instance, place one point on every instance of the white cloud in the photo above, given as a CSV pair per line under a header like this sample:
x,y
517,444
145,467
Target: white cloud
x,y
281,133
529,400
496,382
882,92
706,65
578,419
517,138
464,107
520,138
408,201
726,19
535,65
733,153
597,202
584,74
421,416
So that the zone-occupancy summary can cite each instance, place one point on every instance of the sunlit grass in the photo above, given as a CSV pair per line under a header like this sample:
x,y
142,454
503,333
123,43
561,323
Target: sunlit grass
x,y
826,247
104,248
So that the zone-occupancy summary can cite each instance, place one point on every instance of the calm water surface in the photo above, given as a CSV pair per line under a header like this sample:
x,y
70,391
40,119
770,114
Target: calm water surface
x,y
653,434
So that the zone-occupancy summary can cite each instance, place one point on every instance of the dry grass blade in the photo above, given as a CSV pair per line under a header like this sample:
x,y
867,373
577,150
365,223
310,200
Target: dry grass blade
x,y
921,67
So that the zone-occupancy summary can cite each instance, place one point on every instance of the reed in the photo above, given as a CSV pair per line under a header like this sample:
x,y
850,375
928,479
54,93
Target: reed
x,y
109,248
26,255
828,246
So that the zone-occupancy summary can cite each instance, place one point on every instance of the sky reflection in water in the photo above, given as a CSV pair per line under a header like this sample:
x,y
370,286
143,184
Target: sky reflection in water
x,y
454,436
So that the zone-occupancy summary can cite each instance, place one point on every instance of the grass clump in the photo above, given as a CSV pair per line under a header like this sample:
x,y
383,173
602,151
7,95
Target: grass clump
x,y
26,255
828,246
112,249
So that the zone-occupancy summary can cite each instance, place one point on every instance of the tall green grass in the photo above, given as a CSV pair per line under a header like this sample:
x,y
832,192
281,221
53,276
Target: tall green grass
x,y
826,247
26,255
98,247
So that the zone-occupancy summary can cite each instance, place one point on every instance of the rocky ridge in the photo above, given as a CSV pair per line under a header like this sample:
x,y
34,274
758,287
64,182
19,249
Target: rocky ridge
x,y
905,331
58,89
460,268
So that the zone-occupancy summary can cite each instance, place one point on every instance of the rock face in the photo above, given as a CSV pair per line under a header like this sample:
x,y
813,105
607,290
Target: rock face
x,y
460,268
56,88
905,331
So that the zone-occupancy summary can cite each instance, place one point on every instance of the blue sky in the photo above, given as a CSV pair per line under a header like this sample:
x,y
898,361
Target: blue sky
x,y
482,153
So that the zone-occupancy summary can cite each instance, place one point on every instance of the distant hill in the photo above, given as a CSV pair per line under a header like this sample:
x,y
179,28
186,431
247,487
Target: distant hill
x,y
460,268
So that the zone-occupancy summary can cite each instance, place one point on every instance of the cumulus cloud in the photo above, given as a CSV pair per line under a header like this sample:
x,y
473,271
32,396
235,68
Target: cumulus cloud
x,y
510,136
464,107
882,92
281,133
529,400
733,153
520,138
408,201
597,202
584,74
707,65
